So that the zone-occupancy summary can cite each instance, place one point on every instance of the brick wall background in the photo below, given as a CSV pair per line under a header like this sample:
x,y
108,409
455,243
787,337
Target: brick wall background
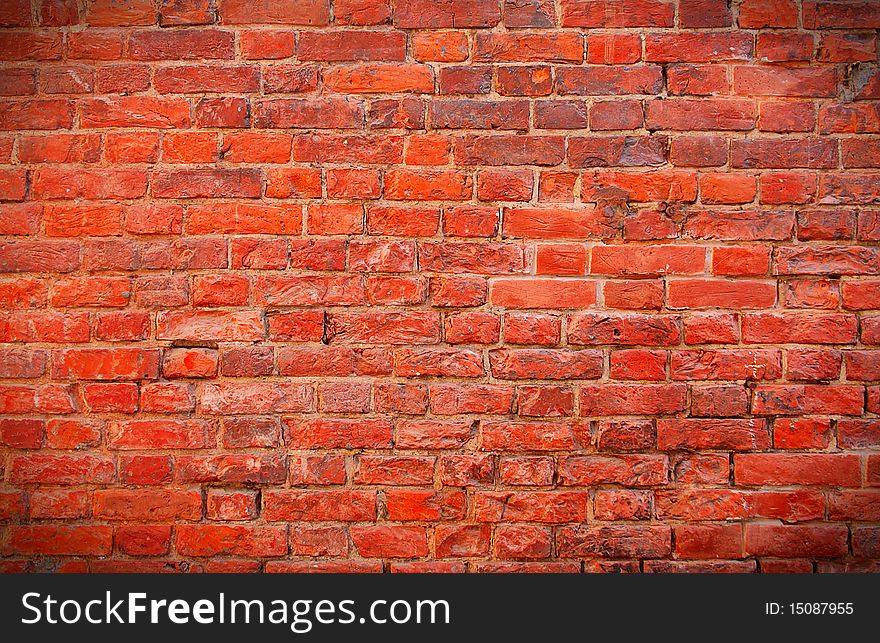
x,y
446,285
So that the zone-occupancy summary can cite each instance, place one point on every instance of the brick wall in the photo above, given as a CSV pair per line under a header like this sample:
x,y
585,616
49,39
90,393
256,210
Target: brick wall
x,y
446,285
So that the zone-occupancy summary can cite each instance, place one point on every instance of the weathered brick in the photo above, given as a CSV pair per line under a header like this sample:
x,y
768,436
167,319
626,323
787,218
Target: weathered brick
x,y
439,286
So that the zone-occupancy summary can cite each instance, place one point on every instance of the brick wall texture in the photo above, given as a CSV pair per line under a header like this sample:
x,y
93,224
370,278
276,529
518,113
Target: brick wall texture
x,y
440,285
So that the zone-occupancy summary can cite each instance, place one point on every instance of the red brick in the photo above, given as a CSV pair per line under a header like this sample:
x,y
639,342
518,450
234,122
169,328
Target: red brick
x,y
428,149
61,469
814,365
232,469
530,436
22,82
721,400
628,329
858,118
609,81
266,45
561,114
521,542
378,77
698,151
763,13
783,469
505,258
545,401
275,267
461,14
613,49
22,434
390,541
545,364
239,398
698,47
556,223
171,433
700,293
543,293
858,434
773,81
58,540
320,505
509,150
479,398
308,12
145,540
417,505
734,435
613,504
524,47
700,14
234,326
33,45
389,470
143,505
861,295
737,261
432,434
318,541
101,364
854,505
142,147
793,541
352,45
616,541
114,397
531,506
826,14
338,433
801,433
455,291
810,398
622,399
527,470
635,294
420,362
131,111
823,260
701,469
162,397
532,328
785,47
615,13
638,364
727,189
57,504
786,116
798,327
408,113
440,46
709,541
701,114
464,541
466,80
211,540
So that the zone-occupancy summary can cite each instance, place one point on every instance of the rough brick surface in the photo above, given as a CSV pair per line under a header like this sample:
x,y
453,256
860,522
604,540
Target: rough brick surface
x,y
483,285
